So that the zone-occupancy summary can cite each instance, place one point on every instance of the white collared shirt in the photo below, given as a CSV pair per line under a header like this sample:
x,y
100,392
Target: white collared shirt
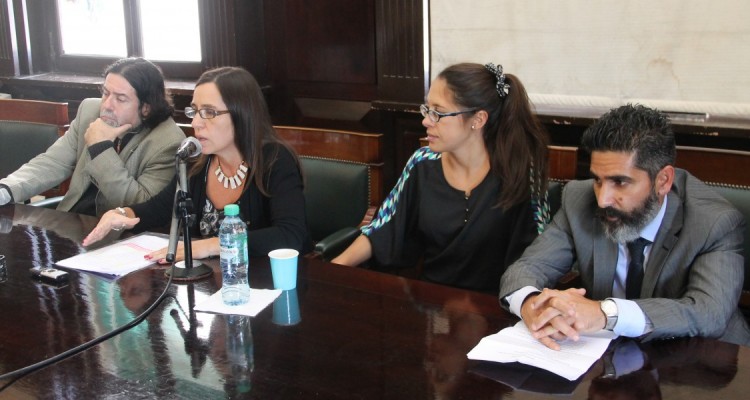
x,y
631,321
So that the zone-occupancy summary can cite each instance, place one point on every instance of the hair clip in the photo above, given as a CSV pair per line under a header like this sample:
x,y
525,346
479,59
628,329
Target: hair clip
x,y
500,85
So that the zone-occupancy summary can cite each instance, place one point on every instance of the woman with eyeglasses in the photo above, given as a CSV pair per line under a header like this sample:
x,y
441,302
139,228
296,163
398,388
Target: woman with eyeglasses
x,y
243,162
467,205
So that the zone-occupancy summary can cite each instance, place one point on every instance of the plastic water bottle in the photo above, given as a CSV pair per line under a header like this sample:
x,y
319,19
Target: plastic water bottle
x,y
235,289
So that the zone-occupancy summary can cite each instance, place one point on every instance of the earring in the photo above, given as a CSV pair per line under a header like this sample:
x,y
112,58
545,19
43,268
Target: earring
x,y
472,127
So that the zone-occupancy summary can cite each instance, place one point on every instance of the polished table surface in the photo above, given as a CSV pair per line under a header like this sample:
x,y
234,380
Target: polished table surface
x,y
361,335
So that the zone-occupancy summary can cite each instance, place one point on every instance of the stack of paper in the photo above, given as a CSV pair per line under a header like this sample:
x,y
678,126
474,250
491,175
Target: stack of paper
x,y
118,258
516,344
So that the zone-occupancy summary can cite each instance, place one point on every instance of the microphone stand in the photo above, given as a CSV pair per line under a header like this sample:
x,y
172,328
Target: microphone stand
x,y
182,215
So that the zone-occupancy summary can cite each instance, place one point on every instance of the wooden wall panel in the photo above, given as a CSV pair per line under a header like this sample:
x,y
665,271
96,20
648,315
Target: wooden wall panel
x,y
323,49
222,40
330,41
401,64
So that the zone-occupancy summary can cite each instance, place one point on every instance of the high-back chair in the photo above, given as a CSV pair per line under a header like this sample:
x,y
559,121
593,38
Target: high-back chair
x,y
343,182
563,164
28,128
727,172
728,167
739,196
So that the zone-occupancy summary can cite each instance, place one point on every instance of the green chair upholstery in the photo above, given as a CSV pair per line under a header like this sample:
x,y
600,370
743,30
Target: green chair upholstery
x,y
28,128
739,196
554,196
22,141
337,195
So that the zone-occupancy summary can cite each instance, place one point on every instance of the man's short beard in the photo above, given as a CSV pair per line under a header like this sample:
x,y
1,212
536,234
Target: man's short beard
x,y
112,120
628,226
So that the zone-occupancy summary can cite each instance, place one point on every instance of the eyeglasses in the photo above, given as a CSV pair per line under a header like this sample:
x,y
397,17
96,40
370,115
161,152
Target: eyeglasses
x,y
205,113
435,115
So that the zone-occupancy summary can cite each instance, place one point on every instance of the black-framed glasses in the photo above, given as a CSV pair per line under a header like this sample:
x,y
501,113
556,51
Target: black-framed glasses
x,y
205,113
435,115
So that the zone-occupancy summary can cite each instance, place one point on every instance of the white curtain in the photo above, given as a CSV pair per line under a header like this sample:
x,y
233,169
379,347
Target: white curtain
x,y
680,55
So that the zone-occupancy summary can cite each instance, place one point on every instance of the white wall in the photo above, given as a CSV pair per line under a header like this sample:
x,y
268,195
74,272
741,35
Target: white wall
x,y
682,55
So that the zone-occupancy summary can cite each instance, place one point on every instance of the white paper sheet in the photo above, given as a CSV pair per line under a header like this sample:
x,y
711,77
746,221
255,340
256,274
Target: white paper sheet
x,y
259,300
119,258
516,344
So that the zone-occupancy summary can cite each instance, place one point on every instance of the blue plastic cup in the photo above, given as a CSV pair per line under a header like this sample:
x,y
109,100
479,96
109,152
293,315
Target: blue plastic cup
x,y
286,308
284,268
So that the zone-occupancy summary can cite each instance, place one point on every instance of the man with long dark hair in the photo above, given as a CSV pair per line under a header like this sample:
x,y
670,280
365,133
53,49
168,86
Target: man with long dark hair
x,y
119,149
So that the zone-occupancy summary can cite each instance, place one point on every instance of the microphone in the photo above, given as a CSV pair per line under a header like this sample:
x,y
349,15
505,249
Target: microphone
x,y
189,148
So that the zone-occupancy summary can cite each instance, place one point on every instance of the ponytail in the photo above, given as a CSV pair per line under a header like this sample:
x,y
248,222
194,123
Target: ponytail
x,y
515,139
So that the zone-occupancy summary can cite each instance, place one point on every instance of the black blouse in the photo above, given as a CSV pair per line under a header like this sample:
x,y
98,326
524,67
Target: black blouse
x,y
463,241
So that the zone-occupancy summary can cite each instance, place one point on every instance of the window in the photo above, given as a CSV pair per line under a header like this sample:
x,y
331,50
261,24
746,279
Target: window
x,y
93,33
78,18
82,37
182,25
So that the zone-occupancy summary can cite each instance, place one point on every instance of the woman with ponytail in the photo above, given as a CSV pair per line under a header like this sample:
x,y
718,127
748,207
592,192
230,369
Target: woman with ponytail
x,y
467,205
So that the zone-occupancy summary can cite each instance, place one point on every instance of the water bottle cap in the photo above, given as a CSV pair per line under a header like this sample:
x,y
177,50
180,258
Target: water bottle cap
x,y
231,209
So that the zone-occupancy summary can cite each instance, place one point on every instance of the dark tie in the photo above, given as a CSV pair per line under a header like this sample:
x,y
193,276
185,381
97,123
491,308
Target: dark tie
x,y
635,269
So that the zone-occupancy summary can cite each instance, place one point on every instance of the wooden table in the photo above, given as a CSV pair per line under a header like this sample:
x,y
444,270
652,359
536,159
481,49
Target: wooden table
x,y
362,335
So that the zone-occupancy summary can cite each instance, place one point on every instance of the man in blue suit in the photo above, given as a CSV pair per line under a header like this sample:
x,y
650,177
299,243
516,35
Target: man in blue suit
x,y
659,253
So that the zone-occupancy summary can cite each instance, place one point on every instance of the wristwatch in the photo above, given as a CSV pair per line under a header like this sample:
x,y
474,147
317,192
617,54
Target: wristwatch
x,y
609,308
122,212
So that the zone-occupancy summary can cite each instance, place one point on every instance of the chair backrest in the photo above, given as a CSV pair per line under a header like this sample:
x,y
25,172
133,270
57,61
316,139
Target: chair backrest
x,y
727,172
22,141
357,147
563,162
336,194
41,112
554,195
563,166
28,128
715,165
739,196
343,176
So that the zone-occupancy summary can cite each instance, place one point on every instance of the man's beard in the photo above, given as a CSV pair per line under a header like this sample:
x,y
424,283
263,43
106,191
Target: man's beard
x,y
628,225
110,119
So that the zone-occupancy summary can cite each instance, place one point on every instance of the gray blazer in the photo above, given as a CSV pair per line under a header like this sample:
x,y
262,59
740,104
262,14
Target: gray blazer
x,y
694,273
139,171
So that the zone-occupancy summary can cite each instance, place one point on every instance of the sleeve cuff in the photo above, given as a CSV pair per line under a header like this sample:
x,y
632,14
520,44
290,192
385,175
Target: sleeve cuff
x,y
5,195
631,321
515,299
99,148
